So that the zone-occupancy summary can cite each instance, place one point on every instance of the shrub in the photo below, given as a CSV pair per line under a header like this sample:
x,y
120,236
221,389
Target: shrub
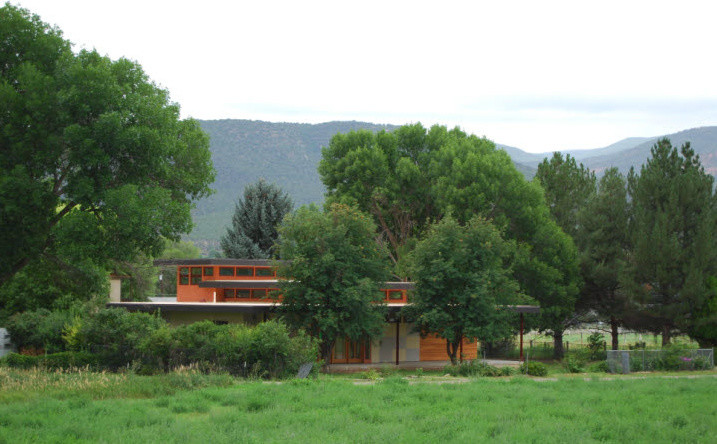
x,y
61,360
600,366
574,364
596,346
533,368
476,368
39,329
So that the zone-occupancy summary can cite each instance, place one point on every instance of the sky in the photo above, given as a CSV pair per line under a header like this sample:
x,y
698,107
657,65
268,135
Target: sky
x,y
538,75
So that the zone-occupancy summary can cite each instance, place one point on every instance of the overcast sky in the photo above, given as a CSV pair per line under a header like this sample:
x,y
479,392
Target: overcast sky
x,y
538,75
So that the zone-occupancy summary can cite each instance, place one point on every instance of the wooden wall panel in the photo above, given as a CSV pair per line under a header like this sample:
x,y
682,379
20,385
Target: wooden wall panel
x,y
433,348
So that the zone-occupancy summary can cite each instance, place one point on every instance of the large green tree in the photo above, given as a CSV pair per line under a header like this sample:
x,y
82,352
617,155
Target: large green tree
x,y
331,274
568,186
255,221
674,248
96,163
411,177
603,241
462,274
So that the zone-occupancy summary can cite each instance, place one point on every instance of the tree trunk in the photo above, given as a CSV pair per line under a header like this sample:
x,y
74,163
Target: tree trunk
x,y
665,335
558,345
452,350
614,332
326,348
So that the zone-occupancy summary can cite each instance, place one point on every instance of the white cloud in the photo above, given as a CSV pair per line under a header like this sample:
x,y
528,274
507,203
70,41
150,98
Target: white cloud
x,y
537,75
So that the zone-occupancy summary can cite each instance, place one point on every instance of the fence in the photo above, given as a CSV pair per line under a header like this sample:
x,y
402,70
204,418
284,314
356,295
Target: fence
x,y
626,361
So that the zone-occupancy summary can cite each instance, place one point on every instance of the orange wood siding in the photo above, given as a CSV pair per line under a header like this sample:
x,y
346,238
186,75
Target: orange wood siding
x,y
433,348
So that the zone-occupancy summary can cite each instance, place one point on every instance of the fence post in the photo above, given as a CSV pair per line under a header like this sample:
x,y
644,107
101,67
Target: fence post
x,y
567,346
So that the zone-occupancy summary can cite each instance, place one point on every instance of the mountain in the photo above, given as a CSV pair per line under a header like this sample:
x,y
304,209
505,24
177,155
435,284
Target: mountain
x,y
244,151
288,154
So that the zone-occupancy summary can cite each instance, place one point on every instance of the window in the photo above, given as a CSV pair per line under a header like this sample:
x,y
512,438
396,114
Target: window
x,y
264,271
243,294
244,271
184,275
226,271
196,275
229,293
208,271
395,295
259,294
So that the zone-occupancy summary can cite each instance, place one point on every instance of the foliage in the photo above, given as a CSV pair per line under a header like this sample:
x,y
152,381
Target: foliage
x,y
463,274
40,329
330,282
567,189
477,368
111,171
255,222
603,241
574,364
167,282
596,346
54,361
674,248
412,177
533,368
264,350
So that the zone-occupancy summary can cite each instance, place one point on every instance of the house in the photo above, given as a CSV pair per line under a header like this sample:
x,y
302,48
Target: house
x,y
237,291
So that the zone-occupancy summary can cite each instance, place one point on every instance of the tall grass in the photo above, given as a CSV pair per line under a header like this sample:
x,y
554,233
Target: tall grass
x,y
335,410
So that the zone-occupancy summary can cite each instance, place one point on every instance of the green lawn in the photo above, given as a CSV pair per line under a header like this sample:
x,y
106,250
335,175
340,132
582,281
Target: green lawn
x,y
51,407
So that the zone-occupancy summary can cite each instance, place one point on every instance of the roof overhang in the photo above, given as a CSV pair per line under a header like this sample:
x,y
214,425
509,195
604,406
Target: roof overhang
x,y
217,261
240,284
204,307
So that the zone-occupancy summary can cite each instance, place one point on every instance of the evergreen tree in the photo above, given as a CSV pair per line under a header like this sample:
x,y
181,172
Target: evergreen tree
x,y
673,225
255,221
567,187
603,243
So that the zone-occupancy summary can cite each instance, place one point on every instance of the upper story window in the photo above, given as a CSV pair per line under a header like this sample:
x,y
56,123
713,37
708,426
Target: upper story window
x,y
196,275
208,271
226,271
244,271
264,272
184,275
395,295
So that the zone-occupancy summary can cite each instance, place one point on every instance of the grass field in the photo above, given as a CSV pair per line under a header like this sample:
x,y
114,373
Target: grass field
x,y
187,407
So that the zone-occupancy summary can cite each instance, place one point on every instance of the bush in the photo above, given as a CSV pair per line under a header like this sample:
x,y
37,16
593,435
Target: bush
x,y
477,368
596,346
574,364
600,367
40,329
533,368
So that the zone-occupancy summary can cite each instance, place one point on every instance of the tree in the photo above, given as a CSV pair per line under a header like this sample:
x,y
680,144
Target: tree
x,y
96,163
255,221
603,242
331,274
462,275
567,188
385,175
412,177
672,229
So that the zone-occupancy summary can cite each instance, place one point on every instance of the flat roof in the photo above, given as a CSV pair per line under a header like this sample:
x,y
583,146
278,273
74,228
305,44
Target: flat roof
x,y
216,261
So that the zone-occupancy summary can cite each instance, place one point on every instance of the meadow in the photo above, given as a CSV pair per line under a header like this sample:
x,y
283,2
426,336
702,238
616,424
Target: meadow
x,y
40,406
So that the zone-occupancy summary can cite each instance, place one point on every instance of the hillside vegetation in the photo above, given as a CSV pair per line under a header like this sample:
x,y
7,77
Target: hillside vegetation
x,y
288,155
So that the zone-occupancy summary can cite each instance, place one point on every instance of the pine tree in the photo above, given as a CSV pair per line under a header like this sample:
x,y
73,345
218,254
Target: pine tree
x,y
674,253
254,224
603,244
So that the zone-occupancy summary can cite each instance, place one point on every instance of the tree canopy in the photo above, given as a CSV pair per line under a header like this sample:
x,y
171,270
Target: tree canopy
x,y
412,177
674,248
331,278
255,222
462,275
96,163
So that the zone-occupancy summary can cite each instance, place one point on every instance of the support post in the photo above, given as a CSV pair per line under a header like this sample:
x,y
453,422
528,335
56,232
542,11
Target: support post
x,y
398,323
522,325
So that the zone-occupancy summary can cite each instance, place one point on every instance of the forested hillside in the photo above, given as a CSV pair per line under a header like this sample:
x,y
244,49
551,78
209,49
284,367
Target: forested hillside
x,y
288,154
246,150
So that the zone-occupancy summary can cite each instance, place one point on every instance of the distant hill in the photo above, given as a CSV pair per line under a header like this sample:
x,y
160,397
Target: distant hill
x,y
288,154
245,150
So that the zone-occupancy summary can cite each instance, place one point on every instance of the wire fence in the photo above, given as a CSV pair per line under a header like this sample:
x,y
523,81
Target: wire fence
x,y
626,361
